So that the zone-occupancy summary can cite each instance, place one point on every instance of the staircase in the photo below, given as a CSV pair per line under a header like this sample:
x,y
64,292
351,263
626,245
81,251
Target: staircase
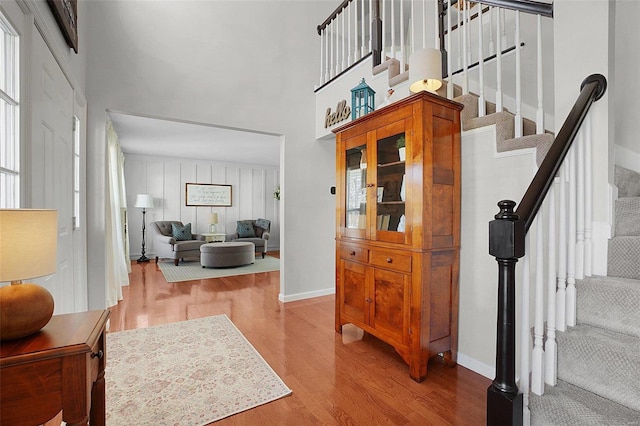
x,y
599,358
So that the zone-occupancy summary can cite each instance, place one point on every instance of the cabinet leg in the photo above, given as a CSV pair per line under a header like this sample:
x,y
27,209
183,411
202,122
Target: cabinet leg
x,y
447,358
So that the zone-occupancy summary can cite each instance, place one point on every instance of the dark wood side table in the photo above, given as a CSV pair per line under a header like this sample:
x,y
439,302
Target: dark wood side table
x,y
59,368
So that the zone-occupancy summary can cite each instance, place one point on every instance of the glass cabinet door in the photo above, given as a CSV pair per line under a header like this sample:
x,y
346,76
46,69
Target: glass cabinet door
x,y
356,188
390,190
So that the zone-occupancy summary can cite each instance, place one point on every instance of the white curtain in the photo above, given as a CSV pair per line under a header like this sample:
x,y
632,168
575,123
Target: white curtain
x,y
118,265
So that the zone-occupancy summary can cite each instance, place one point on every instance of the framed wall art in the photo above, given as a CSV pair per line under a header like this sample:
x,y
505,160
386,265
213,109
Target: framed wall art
x,y
208,195
66,14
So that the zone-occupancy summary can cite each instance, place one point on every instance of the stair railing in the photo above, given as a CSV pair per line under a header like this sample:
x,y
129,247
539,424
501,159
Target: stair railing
x,y
567,167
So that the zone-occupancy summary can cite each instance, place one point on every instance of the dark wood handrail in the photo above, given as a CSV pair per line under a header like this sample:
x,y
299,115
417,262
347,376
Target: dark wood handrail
x,y
526,6
507,244
333,15
592,89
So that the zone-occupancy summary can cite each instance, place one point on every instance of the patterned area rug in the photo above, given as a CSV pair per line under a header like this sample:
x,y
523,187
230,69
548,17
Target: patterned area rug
x,y
189,271
187,373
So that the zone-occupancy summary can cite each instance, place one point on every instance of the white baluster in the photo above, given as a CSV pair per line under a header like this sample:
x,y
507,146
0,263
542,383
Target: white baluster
x,y
540,111
588,201
492,46
550,347
503,37
383,14
459,31
499,64
393,30
518,117
337,29
322,80
449,61
481,99
537,356
330,51
413,26
571,242
344,41
580,206
356,37
561,295
525,331
402,44
435,24
370,20
467,31
364,31
464,32
350,58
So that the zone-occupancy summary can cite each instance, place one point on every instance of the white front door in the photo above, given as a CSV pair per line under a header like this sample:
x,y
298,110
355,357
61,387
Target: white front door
x,y
50,159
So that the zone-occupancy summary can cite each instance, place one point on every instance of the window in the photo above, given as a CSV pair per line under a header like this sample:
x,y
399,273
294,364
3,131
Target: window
x,y
76,172
9,116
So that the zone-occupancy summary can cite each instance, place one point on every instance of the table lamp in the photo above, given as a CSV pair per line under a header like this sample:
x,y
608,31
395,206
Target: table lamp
x,y
28,240
213,221
144,202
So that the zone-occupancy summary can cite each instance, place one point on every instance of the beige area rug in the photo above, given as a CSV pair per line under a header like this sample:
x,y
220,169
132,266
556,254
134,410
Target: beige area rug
x,y
187,373
189,271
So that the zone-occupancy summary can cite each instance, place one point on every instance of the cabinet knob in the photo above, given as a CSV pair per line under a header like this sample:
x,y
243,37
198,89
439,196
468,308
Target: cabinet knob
x,y
368,300
352,252
98,354
370,185
389,260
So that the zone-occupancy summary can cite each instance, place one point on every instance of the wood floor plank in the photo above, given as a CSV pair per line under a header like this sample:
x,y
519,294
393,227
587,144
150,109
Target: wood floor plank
x,y
337,379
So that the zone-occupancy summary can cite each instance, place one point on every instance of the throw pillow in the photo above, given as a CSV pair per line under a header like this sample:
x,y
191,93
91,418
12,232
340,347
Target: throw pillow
x,y
245,230
263,223
181,233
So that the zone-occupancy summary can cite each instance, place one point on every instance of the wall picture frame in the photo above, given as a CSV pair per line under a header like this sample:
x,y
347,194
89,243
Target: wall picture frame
x,y
208,195
66,14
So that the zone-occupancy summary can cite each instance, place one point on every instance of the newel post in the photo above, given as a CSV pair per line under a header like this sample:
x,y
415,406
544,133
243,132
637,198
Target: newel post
x,y
376,33
506,244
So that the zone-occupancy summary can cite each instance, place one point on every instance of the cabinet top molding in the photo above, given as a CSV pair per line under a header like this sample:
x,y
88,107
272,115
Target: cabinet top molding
x,y
399,104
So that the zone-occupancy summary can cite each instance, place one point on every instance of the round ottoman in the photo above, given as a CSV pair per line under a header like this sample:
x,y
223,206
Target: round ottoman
x,y
220,255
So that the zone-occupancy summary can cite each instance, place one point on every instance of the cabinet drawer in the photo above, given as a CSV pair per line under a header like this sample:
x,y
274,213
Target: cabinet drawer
x,y
357,254
391,260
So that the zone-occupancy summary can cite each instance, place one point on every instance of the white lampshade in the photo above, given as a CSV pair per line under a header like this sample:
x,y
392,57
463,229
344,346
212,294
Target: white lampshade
x,y
425,70
144,201
28,244
213,218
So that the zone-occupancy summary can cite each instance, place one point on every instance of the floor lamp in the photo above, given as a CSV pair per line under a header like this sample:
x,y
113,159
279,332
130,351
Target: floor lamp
x,y
144,202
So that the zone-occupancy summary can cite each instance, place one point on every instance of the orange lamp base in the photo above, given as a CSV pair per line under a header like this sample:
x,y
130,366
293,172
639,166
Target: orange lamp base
x,y
24,309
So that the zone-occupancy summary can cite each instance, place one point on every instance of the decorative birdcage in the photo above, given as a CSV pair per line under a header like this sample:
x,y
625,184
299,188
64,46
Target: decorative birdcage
x,y
363,100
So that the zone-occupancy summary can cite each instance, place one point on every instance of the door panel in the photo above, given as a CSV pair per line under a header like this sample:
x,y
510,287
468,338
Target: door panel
x,y
51,155
353,295
390,303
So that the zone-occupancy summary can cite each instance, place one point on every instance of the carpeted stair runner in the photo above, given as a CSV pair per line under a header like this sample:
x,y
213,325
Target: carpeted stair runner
x,y
599,359
564,403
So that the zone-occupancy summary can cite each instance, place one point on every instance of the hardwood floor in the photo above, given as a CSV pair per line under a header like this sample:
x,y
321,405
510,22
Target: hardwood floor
x,y
348,379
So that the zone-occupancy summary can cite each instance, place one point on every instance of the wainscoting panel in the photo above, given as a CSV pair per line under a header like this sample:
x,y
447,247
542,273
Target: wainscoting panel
x,y
165,178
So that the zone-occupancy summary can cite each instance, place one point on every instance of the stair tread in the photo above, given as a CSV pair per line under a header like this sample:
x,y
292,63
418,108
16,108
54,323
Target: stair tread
x,y
609,302
622,257
601,361
568,405
628,217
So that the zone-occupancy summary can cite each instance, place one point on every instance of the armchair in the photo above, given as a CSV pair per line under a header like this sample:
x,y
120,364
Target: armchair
x,y
165,246
254,231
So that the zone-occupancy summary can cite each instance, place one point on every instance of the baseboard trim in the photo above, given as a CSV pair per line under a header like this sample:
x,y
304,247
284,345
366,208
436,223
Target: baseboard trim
x,y
306,295
476,366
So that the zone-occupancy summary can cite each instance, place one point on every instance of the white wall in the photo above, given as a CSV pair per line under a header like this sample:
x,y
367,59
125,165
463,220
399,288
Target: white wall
x,y
242,64
165,179
627,70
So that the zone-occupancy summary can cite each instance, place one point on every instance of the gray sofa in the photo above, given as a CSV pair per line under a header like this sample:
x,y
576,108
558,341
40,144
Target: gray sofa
x,y
167,247
261,228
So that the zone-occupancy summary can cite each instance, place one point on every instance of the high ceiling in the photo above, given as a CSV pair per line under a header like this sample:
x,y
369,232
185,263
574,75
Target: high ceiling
x,y
176,139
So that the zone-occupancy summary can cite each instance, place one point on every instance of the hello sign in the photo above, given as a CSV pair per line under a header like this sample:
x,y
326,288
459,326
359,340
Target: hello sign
x,y
343,111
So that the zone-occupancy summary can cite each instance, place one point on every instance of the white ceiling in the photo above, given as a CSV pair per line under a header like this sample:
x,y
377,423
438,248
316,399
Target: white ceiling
x,y
177,139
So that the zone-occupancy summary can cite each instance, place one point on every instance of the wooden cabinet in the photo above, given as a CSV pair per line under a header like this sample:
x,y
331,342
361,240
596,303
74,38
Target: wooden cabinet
x,y
398,227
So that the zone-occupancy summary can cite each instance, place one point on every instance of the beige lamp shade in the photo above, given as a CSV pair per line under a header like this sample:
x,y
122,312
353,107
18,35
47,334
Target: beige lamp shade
x,y
213,218
425,70
28,240
144,201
